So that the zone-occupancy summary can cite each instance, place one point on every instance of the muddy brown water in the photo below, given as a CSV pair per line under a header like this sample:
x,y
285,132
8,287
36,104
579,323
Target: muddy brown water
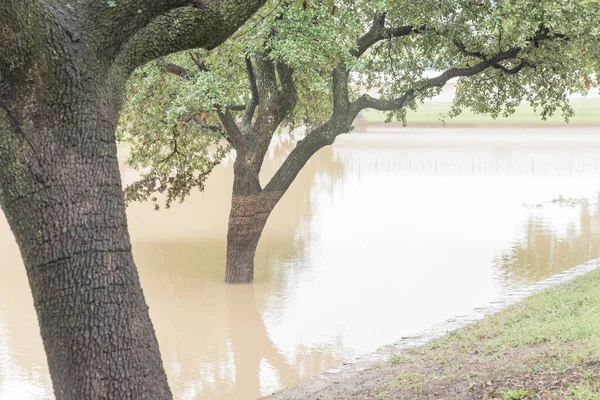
x,y
381,236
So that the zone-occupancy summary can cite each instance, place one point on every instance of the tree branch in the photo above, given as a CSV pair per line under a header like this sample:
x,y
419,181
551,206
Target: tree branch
x,y
254,99
341,121
463,50
21,40
379,32
341,97
116,21
205,26
543,34
322,136
269,108
515,69
366,101
343,115
275,103
172,68
266,78
288,87
214,128
201,65
234,135
509,71
344,112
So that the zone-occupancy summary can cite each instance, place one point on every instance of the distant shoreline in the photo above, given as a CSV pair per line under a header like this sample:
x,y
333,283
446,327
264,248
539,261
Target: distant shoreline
x,y
505,123
587,113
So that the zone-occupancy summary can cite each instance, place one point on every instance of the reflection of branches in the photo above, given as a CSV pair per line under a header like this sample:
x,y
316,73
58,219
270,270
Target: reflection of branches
x,y
543,253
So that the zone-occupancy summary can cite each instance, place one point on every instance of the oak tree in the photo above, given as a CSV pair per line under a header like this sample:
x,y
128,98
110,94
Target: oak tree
x,y
63,69
317,64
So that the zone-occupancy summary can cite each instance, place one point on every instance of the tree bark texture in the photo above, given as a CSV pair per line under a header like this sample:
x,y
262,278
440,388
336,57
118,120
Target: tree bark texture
x,y
61,86
247,220
250,209
63,200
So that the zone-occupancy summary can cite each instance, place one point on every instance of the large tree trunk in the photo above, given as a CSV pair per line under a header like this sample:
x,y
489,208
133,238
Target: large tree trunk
x,y
63,68
60,190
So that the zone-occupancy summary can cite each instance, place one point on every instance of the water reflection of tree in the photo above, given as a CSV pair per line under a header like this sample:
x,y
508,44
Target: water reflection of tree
x,y
543,253
212,336
251,343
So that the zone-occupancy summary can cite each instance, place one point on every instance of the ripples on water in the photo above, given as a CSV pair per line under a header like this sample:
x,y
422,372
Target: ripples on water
x,y
380,236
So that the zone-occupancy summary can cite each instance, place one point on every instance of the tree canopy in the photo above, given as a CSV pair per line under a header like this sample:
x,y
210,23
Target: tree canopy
x,y
337,53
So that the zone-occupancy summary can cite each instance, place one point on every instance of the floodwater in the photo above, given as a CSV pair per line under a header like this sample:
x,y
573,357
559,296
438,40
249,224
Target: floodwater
x,y
381,236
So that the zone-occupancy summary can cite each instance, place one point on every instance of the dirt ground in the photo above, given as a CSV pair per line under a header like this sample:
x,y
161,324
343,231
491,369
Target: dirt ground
x,y
513,376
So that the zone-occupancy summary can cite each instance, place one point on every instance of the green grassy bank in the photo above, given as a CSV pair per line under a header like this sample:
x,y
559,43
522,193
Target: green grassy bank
x,y
545,347
587,112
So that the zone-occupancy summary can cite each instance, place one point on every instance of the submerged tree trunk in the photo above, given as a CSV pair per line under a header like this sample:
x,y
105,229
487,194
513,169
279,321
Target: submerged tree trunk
x,y
250,209
247,221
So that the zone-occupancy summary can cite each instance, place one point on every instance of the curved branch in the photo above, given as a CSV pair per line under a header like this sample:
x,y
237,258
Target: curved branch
x,y
254,99
234,135
366,101
172,68
379,32
341,120
116,21
322,136
183,28
343,114
543,34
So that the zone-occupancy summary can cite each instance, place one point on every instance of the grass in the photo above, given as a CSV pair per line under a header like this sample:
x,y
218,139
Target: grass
x,y
518,394
397,360
429,113
567,314
546,347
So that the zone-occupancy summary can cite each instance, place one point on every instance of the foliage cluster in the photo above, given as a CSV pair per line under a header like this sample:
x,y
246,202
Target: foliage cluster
x,y
171,119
